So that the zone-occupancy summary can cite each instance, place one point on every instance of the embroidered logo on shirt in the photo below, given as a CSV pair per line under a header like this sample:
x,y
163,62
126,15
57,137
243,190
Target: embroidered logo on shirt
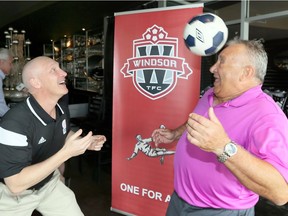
x,y
42,140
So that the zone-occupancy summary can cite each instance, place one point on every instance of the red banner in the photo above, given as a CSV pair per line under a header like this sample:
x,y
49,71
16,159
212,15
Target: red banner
x,y
156,84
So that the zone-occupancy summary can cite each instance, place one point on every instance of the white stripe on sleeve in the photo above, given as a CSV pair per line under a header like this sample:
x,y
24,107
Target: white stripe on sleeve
x,y
11,138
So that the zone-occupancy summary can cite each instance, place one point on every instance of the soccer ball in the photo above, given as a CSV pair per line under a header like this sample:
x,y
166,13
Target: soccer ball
x,y
205,34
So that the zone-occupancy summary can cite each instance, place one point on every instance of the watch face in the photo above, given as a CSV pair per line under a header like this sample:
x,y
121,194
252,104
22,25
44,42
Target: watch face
x,y
231,149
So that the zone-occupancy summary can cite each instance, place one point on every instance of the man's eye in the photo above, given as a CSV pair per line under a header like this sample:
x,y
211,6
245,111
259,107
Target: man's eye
x,y
220,60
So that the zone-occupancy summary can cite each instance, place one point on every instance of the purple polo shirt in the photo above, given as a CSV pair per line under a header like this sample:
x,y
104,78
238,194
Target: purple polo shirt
x,y
254,121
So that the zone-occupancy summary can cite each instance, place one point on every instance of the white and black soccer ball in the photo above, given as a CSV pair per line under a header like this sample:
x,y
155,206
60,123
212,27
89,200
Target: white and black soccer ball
x,y
205,34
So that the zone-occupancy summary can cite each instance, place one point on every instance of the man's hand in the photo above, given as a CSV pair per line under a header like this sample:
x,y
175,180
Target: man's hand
x,y
97,142
208,134
162,136
76,145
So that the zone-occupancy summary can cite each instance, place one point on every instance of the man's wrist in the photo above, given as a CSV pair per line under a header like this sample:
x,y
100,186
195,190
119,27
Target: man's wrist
x,y
230,149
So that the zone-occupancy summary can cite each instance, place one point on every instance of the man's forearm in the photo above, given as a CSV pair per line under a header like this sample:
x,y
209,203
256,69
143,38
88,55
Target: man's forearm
x,y
179,131
31,175
258,176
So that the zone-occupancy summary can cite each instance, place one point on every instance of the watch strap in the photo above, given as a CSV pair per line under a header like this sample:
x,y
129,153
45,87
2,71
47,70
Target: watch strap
x,y
223,157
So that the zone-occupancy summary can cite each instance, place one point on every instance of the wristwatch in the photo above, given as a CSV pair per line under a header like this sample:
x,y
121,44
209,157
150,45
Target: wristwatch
x,y
230,149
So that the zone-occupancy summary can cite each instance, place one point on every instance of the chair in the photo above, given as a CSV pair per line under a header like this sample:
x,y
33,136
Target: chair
x,y
94,121
280,97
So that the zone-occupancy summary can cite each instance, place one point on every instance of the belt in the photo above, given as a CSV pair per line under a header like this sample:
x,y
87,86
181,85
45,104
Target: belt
x,y
36,187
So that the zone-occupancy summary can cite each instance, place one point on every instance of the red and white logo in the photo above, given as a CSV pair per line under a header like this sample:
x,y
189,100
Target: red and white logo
x,y
155,65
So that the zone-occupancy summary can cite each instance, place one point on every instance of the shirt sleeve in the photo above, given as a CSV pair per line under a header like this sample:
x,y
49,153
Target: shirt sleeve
x,y
15,153
270,141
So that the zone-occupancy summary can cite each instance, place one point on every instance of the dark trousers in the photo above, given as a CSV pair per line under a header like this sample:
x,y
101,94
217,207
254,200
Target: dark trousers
x,y
178,207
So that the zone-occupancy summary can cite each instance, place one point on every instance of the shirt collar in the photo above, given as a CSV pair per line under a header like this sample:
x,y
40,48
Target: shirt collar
x,y
239,101
40,113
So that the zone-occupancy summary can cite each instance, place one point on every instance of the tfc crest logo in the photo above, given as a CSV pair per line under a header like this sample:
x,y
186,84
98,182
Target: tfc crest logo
x,y
155,65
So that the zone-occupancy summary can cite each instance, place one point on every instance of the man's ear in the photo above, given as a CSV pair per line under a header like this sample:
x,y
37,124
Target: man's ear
x,y
248,72
35,83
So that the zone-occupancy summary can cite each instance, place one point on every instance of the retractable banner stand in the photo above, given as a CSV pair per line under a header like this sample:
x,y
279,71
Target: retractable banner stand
x,y
156,85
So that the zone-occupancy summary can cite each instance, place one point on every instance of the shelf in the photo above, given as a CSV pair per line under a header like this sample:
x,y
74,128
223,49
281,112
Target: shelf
x,y
82,58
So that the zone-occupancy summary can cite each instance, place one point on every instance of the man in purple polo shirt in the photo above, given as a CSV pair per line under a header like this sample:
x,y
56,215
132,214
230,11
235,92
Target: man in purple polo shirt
x,y
234,146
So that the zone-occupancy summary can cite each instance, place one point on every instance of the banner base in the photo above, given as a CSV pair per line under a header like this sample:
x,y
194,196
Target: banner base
x,y
121,212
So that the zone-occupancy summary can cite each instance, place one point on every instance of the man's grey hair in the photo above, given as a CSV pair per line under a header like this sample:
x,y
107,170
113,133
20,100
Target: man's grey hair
x,y
5,54
256,54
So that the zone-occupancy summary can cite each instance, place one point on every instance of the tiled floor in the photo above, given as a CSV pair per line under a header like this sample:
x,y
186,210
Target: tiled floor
x,y
94,194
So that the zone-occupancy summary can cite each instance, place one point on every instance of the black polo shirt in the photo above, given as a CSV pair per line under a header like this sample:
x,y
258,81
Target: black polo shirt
x,y
28,135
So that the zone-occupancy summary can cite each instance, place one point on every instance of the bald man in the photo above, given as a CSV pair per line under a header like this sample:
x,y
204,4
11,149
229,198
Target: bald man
x,y
35,139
